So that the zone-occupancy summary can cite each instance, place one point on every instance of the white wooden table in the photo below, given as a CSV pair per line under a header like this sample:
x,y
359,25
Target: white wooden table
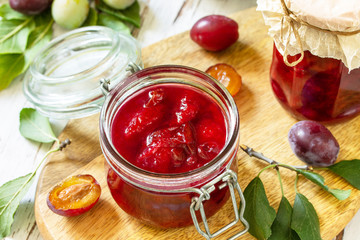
x,y
18,156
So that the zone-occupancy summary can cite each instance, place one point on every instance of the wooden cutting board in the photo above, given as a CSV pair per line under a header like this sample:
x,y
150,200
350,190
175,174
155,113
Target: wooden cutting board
x,y
264,126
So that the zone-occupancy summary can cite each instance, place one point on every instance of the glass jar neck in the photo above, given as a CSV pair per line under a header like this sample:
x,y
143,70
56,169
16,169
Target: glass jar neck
x,y
76,55
64,79
169,75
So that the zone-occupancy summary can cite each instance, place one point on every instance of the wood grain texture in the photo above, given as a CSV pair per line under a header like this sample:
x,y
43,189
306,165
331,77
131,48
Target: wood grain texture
x,y
264,126
19,156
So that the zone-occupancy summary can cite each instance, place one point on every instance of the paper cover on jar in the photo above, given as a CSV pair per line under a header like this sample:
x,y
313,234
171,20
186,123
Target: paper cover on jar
x,y
327,28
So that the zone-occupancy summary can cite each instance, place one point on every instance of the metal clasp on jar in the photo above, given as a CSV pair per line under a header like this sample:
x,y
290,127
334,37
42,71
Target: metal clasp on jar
x,y
104,83
229,180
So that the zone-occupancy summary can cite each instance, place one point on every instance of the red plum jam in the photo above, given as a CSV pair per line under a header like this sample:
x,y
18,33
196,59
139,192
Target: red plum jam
x,y
169,129
320,89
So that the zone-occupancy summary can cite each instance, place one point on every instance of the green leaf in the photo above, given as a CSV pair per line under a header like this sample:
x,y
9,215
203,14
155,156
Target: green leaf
x,y
39,37
91,19
11,194
11,65
35,126
14,35
319,180
305,221
6,12
340,194
130,14
113,23
281,228
258,211
43,19
349,170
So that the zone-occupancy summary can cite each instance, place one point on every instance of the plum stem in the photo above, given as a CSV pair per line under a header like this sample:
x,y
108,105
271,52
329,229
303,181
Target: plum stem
x,y
296,181
269,166
252,153
281,185
61,146
64,143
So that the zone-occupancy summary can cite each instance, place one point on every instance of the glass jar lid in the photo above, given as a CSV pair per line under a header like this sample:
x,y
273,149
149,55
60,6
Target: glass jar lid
x,y
64,79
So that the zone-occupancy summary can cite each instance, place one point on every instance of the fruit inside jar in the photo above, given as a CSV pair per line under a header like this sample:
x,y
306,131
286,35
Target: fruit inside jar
x,y
171,129
320,89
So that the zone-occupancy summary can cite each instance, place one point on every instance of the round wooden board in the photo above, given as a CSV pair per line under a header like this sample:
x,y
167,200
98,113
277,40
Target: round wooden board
x,y
264,126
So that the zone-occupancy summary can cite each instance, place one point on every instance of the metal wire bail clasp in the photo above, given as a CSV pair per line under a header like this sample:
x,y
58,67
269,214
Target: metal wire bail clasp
x,y
133,67
105,83
229,179
104,86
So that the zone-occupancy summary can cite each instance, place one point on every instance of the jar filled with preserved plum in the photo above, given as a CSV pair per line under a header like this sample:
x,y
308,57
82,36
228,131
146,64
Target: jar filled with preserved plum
x,y
170,136
315,70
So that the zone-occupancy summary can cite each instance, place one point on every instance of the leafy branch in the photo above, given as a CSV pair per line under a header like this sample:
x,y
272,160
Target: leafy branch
x,y
35,127
260,156
306,171
297,222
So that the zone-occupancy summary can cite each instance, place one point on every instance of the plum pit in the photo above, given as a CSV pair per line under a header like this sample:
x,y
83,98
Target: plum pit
x,y
74,195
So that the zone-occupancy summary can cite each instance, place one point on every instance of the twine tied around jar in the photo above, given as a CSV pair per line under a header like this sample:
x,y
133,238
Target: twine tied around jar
x,y
291,19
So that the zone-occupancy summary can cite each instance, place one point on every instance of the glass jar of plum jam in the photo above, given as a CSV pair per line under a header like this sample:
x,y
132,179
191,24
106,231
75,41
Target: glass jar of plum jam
x,y
170,136
320,89
315,69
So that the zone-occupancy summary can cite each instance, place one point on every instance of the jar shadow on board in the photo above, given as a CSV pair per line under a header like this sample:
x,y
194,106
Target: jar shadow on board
x,y
95,68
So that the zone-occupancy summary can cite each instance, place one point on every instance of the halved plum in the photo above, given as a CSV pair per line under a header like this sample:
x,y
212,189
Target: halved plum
x,y
74,195
227,75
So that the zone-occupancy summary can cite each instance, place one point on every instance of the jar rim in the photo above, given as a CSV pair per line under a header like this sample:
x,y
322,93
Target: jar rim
x,y
104,31
172,178
100,52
